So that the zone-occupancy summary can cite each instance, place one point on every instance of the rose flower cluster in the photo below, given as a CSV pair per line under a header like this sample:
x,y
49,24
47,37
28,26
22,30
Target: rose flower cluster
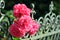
x,y
24,24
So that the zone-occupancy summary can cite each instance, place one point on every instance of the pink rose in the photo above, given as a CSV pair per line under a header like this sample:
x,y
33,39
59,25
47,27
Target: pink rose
x,y
21,26
25,22
21,9
34,28
16,31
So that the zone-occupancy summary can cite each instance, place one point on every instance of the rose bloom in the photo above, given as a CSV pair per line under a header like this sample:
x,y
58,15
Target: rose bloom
x,y
16,31
21,26
25,22
34,28
21,9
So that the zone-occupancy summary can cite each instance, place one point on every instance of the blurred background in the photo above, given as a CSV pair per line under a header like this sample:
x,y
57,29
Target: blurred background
x,y
41,6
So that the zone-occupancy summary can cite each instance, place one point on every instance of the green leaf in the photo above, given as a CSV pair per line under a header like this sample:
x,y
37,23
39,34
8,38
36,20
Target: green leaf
x,y
16,38
9,13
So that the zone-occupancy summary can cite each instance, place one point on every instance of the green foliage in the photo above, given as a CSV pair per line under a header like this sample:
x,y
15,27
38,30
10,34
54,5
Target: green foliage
x,y
16,38
4,25
9,13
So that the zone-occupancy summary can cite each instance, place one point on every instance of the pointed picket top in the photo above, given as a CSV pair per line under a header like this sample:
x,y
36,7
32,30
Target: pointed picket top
x,y
51,6
2,4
